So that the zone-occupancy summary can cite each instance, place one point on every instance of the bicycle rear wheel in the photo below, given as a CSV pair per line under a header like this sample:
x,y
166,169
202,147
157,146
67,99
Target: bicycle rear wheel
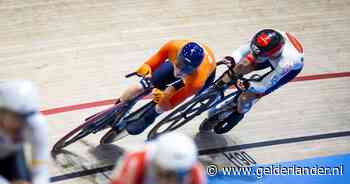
x,y
186,112
92,125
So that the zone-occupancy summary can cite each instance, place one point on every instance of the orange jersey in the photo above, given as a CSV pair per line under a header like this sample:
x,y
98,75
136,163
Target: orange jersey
x,y
193,82
134,170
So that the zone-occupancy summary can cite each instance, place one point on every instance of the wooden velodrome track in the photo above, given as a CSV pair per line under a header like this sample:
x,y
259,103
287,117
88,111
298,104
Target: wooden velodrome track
x,y
78,51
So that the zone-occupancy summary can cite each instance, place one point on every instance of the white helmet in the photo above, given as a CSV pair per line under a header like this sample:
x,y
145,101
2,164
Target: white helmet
x,y
176,152
19,96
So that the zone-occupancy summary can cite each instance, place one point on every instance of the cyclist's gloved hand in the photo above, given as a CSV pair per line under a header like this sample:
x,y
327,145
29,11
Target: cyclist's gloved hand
x,y
157,95
243,85
229,59
145,70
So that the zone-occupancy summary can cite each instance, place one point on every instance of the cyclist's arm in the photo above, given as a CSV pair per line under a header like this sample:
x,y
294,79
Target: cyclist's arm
x,y
173,97
38,137
179,92
282,69
244,63
245,66
160,56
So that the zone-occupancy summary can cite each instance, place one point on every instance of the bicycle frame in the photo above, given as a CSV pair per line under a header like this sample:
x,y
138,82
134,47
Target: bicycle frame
x,y
131,103
204,101
100,121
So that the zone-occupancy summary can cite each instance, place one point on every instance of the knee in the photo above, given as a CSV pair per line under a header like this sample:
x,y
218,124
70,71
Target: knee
x,y
244,107
131,92
243,98
245,102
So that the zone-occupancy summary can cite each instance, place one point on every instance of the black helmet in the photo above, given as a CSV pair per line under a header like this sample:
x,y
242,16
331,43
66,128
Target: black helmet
x,y
267,43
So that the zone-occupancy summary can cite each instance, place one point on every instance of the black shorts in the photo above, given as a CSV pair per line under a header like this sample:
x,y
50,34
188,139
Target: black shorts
x,y
164,76
14,167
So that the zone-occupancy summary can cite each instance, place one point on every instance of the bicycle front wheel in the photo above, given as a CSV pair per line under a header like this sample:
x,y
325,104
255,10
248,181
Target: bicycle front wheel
x,y
92,125
184,113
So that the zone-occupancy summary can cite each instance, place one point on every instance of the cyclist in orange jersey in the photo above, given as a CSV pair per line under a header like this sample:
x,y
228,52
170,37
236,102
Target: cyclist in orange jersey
x,y
178,70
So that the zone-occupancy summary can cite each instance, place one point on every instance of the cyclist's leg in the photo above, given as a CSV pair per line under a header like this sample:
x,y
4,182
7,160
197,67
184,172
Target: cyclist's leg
x,y
235,116
14,167
131,92
246,100
227,103
215,116
138,126
161,77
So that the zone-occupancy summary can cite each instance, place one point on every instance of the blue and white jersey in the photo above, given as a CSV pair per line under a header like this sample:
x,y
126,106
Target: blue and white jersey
x,y
284,68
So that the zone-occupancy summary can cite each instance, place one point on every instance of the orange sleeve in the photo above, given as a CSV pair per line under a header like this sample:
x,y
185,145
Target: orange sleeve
x,y
158,58
198,175
192,85
175,97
